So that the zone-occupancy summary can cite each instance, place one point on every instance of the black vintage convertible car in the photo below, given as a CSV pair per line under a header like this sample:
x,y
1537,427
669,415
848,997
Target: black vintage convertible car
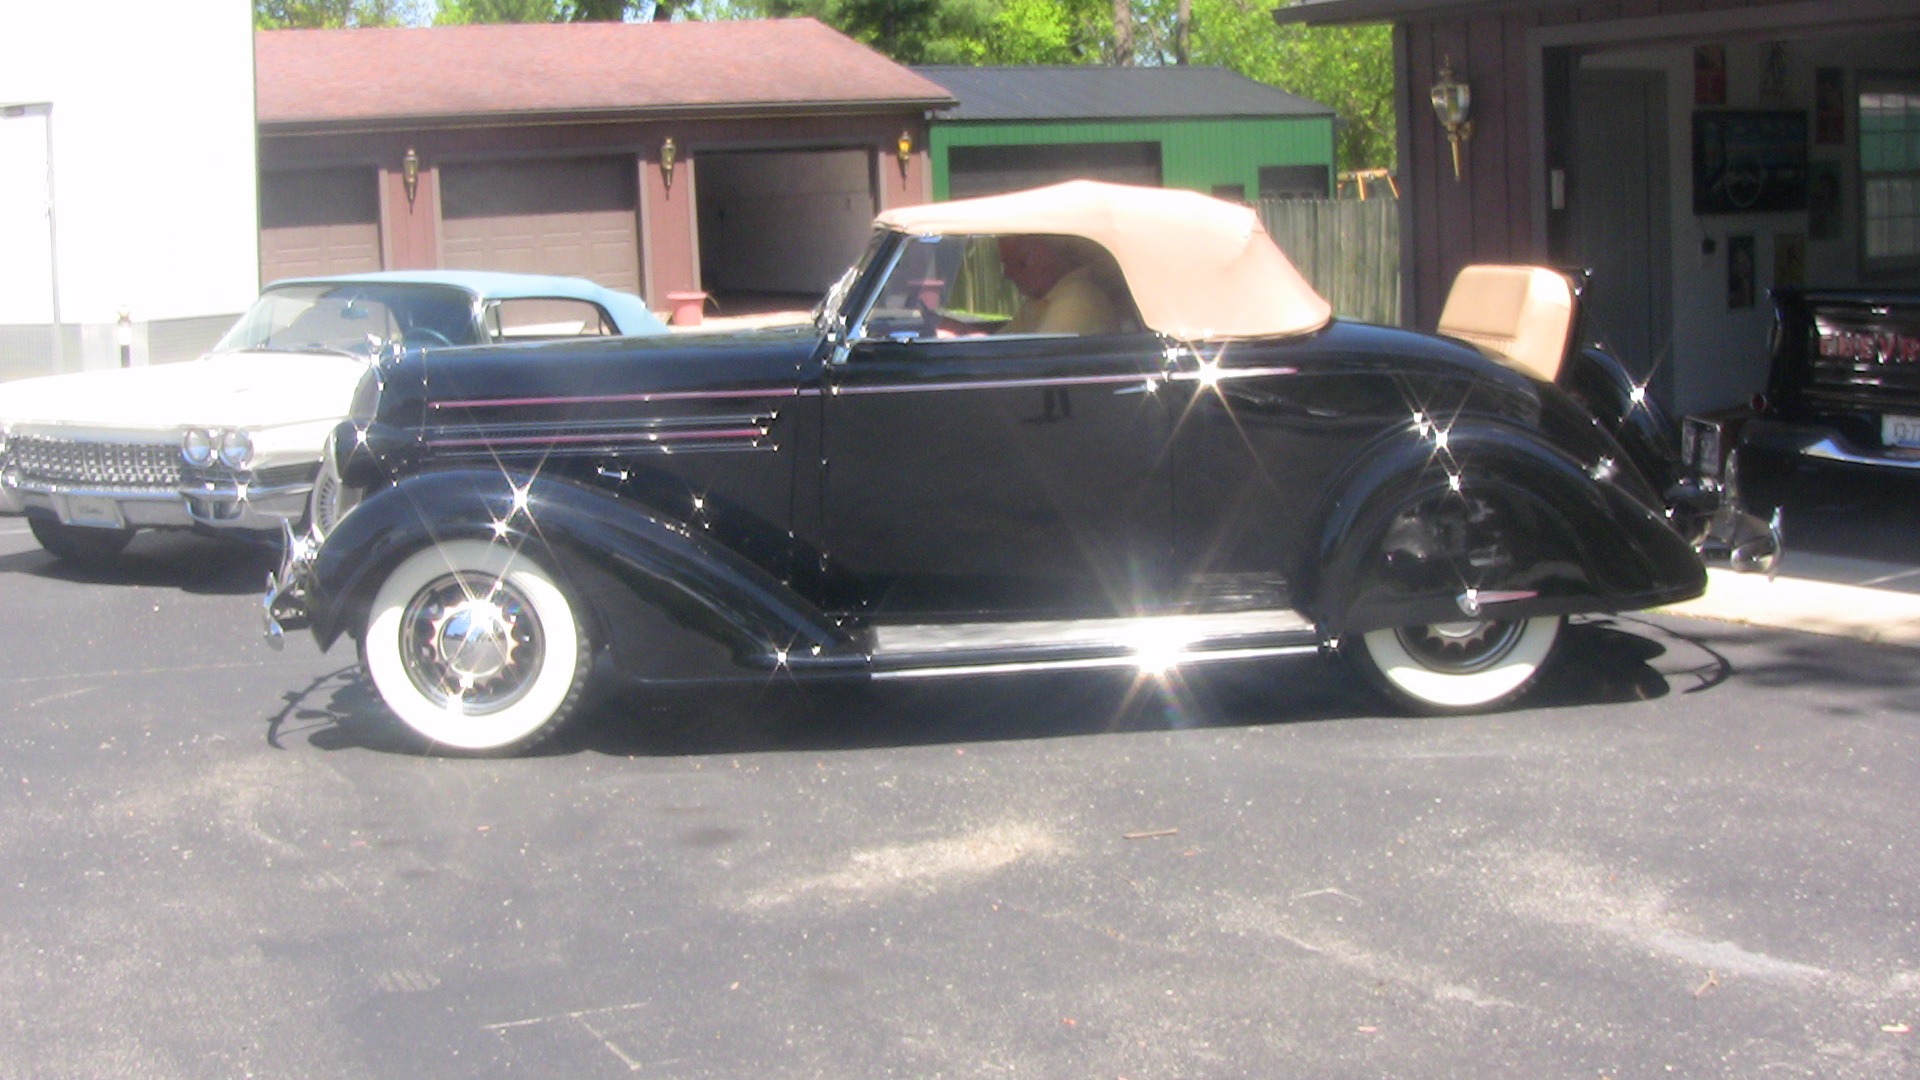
x,y
1078,426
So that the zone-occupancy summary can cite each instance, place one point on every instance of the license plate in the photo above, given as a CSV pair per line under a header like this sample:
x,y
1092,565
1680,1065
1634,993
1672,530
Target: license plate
x,y
1901,431
93,511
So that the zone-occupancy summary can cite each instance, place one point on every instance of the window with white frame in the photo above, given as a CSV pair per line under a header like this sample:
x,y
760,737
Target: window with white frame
x,y
1890,170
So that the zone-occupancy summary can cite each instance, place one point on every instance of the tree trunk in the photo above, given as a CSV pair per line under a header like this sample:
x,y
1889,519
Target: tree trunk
x,y
1123,32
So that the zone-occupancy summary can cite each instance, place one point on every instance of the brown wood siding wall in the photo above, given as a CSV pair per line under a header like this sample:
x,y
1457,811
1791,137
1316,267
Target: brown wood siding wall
x,y
1489,215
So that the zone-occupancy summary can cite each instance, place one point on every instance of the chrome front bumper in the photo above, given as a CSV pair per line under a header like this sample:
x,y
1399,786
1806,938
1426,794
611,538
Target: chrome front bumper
x,y
284,607
219,504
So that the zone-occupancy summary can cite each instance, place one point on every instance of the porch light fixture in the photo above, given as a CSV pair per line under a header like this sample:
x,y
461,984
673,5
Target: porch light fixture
x,y
905,149
1452,100
123,337
410,175
668,152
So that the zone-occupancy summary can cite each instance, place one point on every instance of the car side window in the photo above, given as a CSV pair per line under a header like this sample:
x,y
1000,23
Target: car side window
x,y
968,286
545,318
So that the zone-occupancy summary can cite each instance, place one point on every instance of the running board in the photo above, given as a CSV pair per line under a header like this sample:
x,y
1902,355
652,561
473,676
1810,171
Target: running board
x,y
1153,643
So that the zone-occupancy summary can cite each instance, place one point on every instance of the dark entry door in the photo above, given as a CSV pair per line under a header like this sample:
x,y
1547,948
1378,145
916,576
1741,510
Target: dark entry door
x,y
991,478
1620,216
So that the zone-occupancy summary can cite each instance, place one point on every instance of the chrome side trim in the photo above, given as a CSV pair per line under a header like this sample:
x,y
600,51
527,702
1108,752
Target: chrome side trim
x,y
1094,662
1158,632
642,438
614,399
999,384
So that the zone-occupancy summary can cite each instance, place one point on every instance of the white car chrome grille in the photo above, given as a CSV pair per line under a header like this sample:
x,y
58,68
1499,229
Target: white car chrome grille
x,y
103,464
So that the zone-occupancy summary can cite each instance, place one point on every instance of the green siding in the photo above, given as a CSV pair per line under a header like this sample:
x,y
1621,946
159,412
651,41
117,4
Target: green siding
x,y
1195,154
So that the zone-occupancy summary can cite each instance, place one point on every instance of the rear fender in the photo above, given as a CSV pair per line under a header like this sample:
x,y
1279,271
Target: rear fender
x,y
1486,519
613,555
1635,420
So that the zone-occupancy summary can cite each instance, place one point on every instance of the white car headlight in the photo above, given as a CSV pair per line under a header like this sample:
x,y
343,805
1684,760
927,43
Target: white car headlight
x,y
236,449
197,447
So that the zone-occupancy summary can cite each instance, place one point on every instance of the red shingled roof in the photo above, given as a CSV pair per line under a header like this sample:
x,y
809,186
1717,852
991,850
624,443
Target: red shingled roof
x,y
330,76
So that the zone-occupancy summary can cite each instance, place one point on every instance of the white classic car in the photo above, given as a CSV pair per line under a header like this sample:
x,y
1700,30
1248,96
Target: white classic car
x,y
234,440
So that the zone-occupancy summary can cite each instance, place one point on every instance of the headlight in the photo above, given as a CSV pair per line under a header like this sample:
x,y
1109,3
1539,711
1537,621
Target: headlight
x,y
366,397
197,447
236,449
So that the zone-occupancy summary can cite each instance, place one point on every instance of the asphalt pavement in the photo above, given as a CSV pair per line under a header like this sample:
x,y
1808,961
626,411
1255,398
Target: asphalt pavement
x,y
1686,855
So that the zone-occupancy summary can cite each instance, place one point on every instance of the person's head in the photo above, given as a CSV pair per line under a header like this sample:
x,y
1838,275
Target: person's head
x,y
1035,263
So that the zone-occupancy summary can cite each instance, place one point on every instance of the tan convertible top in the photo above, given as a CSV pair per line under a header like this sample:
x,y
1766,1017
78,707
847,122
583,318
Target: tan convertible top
x,y
1198,267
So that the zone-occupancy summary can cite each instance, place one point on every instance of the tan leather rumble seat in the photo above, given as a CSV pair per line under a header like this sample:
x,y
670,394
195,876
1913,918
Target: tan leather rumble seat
x,y
1522,314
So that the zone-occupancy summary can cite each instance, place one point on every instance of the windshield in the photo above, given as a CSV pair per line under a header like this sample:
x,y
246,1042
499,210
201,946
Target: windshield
x,y
354,318
831,305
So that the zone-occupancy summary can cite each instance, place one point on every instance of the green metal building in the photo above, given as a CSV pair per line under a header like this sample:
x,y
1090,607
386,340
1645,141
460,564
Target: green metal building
x,y
1203,128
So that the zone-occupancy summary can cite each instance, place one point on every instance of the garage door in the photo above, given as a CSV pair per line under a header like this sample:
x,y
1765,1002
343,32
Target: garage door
x,y
783,222
321,221
544,217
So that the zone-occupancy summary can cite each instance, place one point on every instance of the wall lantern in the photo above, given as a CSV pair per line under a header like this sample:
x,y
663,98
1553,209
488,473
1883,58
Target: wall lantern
x,y
123,337
410,175
668,152
1451,101
905,148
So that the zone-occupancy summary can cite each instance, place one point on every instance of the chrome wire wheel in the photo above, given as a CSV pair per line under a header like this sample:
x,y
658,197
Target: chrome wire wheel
x,y
1456,667
332,499
471,642
476,647
1460,647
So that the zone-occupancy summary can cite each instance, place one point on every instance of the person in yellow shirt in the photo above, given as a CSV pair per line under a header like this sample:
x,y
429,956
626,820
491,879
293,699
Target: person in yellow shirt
x,y
1063,290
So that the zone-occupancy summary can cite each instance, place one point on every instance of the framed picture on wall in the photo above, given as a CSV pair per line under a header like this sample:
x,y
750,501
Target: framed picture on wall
x,y
1829,106
1789,259
1749,161
1710,75
1825,219
1740,284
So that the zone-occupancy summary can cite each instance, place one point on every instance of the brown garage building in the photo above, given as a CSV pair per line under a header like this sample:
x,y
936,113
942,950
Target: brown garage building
x,y
744,159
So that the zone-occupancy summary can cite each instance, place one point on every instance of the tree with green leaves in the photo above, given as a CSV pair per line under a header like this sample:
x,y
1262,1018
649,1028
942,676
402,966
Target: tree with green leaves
x,y
337,14
1348,68
462,12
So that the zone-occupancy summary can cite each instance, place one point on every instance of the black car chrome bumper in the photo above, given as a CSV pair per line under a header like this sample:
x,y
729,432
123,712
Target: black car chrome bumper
x,y
1707,505
1821,444
284,607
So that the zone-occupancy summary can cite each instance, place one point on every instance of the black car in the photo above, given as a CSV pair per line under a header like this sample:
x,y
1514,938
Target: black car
x,y
1081,426
1842,396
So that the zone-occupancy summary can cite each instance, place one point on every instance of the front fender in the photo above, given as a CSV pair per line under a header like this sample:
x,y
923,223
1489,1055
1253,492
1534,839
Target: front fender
x,y
1434,527
612,554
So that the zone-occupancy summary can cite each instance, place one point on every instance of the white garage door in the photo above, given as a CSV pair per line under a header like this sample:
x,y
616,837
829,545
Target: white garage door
x,y
319,221
544,217
26,253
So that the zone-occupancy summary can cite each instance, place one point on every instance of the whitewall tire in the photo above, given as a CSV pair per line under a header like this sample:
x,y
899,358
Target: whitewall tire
x,y
1456,667
476,647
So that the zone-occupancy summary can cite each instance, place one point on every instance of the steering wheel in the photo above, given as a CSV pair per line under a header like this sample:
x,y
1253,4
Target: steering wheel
x,y
428,335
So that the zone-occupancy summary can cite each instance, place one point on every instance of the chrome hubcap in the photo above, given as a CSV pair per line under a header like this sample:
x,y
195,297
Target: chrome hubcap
x,y
1461,647
471,643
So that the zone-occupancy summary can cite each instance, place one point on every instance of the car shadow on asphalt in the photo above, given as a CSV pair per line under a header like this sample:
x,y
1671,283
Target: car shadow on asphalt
x,y
204,565
1606,662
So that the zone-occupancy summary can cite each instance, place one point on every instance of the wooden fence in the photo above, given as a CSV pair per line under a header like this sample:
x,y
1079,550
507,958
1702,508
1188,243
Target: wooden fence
x,y
1349,249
